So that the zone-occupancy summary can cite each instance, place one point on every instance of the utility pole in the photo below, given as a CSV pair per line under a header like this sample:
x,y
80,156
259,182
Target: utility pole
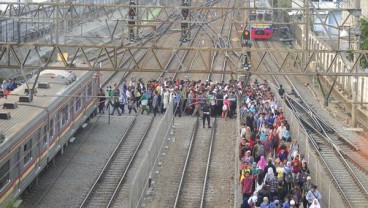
x,y
357,67
306,32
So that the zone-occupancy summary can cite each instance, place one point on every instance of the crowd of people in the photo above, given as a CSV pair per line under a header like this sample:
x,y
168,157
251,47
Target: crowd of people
x,y
273,172
7,86
195,98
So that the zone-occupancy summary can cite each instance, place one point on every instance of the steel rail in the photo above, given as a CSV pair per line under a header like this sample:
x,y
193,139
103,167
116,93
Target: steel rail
x,y
181,43
323,125
326,137
113,197
214,126
314,144
329,171
94,185
195,128
298,94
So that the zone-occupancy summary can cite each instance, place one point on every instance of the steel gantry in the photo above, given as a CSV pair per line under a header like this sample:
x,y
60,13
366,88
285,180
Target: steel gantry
x,y
110,46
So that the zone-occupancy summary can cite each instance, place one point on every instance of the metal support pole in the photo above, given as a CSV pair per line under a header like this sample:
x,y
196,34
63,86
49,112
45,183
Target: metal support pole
x,y
355,78
108,110
306,31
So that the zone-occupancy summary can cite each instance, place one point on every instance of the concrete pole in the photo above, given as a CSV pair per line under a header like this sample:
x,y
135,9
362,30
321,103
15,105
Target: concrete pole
x,y
65,11
306,32
355,78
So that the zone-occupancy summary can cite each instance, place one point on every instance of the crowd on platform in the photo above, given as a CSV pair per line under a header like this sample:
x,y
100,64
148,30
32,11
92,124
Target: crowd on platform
x,y
273,172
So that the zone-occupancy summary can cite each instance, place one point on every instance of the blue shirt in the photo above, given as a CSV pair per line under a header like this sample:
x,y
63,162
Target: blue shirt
x,y
177,98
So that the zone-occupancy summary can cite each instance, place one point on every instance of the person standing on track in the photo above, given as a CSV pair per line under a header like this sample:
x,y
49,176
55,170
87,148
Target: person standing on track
x,y
155,103
101,104
206,114
281,91
177,100
225,107
116,97
131,104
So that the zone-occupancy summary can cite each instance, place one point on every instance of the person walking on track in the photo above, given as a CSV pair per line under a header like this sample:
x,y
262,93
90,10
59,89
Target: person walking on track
x,y
206,114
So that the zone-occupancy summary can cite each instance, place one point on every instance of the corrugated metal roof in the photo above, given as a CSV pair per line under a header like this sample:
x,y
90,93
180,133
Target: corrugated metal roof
x,y
23,114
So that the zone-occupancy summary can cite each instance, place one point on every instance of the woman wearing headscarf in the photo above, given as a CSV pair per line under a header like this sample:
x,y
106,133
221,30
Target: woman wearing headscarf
x,y
256,171
271,180
315,204
288,176
4,85
262,163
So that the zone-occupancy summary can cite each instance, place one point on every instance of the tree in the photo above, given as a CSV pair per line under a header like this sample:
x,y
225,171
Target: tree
x,y
282,3
364,41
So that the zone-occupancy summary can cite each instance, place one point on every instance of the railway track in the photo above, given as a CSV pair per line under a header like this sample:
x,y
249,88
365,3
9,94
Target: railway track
x,y
348,174
221,167
222,39
192,187
106,186
327,143
178,57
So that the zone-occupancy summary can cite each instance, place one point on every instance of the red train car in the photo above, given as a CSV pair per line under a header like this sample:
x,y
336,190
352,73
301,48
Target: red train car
x,y
260,20
261,31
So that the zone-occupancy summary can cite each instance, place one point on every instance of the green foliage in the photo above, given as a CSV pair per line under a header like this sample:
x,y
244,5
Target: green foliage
x,y
364,40
350,55
45,58
282,3
1,80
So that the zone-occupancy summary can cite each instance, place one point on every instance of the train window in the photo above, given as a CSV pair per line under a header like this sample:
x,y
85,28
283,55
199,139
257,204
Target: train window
x,y
268,17
78,102
51,128
27,149
260,17
45,135
4,175
259,32
252,17
89,91
64,115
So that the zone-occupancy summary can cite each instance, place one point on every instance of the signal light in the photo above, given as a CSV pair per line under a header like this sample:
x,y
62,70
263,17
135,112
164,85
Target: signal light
x,y
185,11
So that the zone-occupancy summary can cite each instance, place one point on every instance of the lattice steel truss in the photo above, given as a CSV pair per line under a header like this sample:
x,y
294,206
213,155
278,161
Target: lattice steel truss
x,y
115,17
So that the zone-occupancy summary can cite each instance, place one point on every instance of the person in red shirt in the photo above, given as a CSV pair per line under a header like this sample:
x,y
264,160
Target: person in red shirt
x,y
247,184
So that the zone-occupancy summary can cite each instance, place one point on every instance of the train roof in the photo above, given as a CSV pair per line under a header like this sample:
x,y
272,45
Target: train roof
x,y
60,83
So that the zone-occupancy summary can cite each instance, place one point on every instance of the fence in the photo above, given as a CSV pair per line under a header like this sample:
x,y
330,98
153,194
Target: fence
x,y
140,181
331,197
319,173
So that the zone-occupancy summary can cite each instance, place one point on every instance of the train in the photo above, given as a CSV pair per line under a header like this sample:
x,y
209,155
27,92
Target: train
x,y
260,20
33,129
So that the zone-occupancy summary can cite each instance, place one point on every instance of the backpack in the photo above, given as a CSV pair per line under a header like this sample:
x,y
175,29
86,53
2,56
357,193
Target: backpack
x,y
303,176
288,177
296,179
259,200
260,150
224,107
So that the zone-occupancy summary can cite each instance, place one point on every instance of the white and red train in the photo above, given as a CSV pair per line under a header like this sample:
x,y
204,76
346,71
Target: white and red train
x,y
260,20
32,132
